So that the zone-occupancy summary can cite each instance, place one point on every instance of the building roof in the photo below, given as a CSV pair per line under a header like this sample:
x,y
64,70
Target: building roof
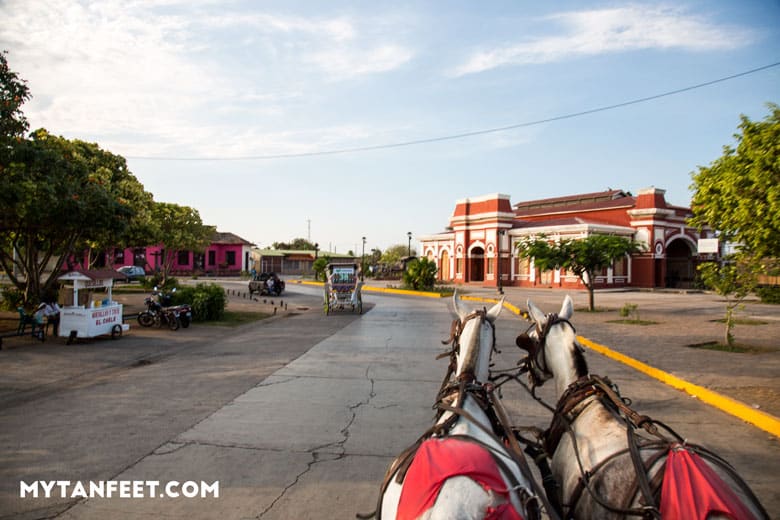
x,y
229,238
299,253
582,202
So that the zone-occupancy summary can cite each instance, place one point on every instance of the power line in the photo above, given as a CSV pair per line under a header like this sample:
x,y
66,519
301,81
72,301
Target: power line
x,y
464,134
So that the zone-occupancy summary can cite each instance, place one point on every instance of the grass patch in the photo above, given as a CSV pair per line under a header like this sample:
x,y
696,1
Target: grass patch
x,y
628,321
738,348
237,318
743,321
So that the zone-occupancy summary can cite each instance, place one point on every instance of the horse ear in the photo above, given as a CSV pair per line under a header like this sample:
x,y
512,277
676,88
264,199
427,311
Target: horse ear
x,y
495,310
536,314
460,311
567,308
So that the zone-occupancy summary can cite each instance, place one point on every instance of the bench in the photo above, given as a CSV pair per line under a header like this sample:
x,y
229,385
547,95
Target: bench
x,y
37,329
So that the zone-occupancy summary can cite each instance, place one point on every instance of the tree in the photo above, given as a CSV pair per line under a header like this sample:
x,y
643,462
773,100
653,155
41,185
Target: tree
x,y
319,266
584,257
178,228
55,194
738,194
420,274
298,244
393,254
734,279
13,94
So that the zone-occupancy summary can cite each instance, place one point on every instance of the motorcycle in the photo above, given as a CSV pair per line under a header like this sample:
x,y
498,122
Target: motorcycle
x,y
157,313
184,310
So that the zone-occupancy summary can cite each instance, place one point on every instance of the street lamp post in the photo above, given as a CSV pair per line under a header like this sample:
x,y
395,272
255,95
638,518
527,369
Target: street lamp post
x,y
363,260
409,251
498,268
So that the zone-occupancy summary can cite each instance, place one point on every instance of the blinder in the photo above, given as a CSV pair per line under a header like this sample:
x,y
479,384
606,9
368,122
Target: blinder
x,y
537,367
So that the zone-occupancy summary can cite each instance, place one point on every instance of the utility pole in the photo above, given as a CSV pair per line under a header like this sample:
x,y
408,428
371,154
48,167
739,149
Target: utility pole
x,y
308,233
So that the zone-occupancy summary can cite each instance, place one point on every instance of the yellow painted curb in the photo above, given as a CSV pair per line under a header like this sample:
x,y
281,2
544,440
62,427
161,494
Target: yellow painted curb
x,y
306,282
387,290
762,420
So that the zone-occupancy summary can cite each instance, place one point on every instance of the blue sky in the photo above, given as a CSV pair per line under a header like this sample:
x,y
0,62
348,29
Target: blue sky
x,y
232,85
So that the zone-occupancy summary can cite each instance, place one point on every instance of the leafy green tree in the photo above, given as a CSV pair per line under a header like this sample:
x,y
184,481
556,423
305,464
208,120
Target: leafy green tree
x,y
734,279
584,257
13,94
420,274
738,194
393,254
55,195
319,266
178,228
297,244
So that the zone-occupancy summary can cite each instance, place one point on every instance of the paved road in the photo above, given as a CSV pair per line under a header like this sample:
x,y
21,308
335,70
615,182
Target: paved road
x,y
296,418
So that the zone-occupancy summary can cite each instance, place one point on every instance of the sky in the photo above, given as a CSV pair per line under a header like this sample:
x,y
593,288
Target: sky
x,y
285,119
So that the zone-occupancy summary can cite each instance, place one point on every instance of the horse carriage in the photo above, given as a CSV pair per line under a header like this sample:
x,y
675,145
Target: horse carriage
x,y
342,289
598,459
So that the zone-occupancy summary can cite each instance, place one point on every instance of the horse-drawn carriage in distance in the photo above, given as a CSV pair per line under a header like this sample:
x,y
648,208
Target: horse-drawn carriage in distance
x,y
266,284
343,288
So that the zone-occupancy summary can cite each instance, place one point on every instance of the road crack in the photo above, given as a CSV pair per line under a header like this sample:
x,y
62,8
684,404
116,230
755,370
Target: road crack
x,y
319,455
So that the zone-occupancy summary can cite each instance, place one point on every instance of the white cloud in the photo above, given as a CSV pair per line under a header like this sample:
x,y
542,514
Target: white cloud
x,y
609,31
344,63
194,81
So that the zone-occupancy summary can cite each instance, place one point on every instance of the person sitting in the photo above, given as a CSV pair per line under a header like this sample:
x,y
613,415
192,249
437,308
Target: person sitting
x,y
52,313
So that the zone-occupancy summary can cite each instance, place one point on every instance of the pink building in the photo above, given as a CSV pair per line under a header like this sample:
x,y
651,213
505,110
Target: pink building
x,y
227,255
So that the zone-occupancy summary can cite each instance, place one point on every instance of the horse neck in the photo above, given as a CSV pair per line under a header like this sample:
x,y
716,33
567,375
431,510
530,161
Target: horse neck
x,y
563,359
475,349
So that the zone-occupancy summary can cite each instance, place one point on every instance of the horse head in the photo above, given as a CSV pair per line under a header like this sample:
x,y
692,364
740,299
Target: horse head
x,y
474,339
552,347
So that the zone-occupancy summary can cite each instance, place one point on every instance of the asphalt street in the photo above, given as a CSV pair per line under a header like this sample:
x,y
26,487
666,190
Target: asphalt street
x,y
296,417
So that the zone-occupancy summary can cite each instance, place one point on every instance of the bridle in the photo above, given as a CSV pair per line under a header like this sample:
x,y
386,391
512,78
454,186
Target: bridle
x,y
456,330
535,362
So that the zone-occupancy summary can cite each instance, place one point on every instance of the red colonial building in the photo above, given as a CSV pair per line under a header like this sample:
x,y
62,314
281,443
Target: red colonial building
x,y
479,245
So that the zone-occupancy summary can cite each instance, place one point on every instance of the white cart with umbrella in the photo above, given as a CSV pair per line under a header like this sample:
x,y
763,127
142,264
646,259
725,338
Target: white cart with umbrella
x,y
91,310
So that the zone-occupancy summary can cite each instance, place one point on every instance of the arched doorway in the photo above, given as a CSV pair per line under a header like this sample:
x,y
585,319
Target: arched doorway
x,y
444,266
477,265
680,270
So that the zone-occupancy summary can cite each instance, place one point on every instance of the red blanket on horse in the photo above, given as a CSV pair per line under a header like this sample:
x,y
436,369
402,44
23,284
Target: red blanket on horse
x,y
692,490
439,459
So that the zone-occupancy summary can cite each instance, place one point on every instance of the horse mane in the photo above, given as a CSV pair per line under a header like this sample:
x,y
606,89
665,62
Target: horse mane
x,y
580,364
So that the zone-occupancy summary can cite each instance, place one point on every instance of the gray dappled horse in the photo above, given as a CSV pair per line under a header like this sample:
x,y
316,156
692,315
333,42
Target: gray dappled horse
x,y
611,462
466,416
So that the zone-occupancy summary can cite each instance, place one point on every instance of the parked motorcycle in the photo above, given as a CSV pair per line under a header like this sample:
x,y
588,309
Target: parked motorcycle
x,y
184,309
157,313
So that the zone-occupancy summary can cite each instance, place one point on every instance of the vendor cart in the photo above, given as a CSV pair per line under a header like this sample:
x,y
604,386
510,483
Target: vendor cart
x,y
342,288
89,309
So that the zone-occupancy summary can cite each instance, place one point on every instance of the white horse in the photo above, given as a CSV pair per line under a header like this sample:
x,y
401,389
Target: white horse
x,y
604,466
466,404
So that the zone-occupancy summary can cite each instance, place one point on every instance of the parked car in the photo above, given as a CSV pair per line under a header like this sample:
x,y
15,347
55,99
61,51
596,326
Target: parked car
x,y
132,272
266,284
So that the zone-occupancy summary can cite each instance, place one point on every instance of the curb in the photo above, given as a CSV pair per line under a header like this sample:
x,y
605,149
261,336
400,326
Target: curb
x,y
763,420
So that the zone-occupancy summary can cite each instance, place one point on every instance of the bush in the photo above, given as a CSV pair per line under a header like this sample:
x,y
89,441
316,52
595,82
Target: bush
x,y
420,274
208,301
11,299
155,280
769,293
